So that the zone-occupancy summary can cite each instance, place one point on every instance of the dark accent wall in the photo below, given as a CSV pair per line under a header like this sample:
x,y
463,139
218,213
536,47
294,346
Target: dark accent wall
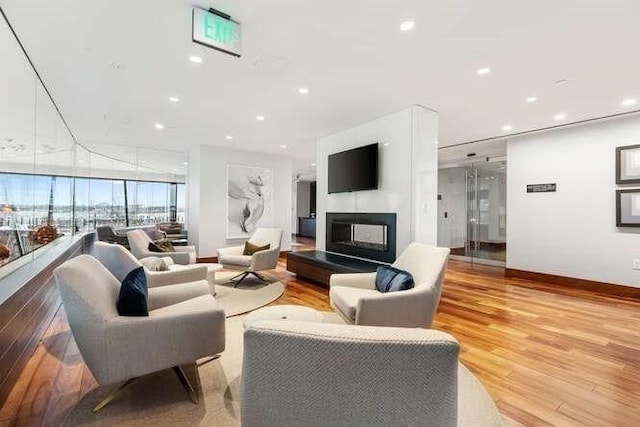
x,y
24,317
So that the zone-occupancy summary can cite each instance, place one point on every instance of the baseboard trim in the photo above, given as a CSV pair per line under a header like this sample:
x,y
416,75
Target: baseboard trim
x,y
210,259
572,282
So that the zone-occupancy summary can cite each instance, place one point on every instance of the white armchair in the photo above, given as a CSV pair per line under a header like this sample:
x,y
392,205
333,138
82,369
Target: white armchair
x,y
322,374
232,257
184,324
139,244
356,298
120,262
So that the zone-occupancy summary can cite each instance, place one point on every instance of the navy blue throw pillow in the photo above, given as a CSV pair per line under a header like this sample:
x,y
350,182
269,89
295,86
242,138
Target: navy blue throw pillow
x,y
132,300
390,279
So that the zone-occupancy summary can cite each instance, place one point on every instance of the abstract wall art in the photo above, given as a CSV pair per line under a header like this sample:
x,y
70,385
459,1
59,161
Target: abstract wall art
x,y
249,199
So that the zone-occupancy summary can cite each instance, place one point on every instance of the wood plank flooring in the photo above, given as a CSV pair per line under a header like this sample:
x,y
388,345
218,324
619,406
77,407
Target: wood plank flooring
x,y
548,355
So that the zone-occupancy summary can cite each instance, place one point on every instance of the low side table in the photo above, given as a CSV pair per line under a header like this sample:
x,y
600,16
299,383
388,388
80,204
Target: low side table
x,y
284,312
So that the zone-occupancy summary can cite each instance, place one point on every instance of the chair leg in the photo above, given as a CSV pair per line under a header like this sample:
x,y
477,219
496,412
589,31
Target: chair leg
x,y
239,278
193,396
244,275
112,395
210,359
259,276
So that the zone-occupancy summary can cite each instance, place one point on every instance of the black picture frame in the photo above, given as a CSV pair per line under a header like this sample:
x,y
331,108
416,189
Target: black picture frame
x,y
621,153
620,207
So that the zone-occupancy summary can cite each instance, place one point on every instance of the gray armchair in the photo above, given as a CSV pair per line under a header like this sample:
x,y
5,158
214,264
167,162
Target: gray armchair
x,y
232,257
355,297
139,243
107,234
321,374
184,324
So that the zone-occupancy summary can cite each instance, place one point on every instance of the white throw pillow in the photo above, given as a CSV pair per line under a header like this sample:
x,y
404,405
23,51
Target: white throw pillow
x,y
153,263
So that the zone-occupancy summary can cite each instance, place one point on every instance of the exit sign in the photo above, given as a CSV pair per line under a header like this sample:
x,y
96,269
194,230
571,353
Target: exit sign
x,y
216,31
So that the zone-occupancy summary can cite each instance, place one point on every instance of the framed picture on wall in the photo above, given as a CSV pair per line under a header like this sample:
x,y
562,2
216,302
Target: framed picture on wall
x,y
249,199
628,164
628,208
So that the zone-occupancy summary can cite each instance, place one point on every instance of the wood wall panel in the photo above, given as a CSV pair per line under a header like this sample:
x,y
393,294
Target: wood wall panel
x,y
25,316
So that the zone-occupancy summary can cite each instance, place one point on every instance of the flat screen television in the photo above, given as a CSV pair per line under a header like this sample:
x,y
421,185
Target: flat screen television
x,y
354,170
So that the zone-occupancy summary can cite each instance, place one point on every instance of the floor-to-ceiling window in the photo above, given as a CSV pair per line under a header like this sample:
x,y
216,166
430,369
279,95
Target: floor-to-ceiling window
x,y
73,204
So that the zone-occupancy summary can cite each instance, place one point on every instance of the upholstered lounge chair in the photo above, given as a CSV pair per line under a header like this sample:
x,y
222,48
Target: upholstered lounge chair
x,y
139,244
107,234
320,374
354,296
232,257
184,324
120,262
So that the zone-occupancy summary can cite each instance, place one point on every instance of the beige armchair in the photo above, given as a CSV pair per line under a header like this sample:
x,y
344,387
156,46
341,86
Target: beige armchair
x,y
232,257
139,244
120,262
184,324
355,297
322,374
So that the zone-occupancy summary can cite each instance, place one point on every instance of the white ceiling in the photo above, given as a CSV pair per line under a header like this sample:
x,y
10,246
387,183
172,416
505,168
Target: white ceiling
x,y
111,66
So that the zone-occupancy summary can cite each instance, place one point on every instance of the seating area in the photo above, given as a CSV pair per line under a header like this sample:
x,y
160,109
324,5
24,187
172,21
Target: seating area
x,y
184,323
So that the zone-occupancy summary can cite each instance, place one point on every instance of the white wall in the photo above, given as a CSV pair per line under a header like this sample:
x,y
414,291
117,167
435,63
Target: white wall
x,y
208,195
571,232
407,173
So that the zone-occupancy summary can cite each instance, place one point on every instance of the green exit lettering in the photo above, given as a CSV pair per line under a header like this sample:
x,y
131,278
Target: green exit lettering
x,y
219,30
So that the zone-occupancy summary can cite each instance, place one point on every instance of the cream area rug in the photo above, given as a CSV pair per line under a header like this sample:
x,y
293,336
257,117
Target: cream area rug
x,y
251,294
159,399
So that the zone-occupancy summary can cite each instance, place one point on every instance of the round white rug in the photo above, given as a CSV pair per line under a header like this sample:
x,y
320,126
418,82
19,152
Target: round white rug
x,y
250,295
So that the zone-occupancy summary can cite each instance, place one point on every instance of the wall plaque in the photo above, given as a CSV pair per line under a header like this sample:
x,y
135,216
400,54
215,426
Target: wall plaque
x,y
541,188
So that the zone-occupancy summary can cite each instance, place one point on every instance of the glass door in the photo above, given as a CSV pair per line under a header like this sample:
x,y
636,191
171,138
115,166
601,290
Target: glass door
x,y
472,212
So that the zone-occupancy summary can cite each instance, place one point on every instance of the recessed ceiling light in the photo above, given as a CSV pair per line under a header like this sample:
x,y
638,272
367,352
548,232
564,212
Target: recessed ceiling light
x,y
562,82
483,71
313,164
185,163
158,126
530,99
283,146
228,137
507,128
195,59
386,144
560,116
259,118
629,102
407,25
174,99
303,90
116,65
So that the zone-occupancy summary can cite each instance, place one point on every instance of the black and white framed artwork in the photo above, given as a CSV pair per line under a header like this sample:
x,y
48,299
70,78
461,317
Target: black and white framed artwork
x,y
249,199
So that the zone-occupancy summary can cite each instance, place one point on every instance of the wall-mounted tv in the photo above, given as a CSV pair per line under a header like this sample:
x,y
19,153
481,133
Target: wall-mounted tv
x,y
354,170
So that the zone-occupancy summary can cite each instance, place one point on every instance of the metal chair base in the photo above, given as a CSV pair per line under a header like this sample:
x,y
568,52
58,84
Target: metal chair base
x,y
191,391
240,277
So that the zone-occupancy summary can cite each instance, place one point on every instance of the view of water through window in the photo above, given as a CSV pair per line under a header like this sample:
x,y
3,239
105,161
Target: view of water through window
x,y
28,203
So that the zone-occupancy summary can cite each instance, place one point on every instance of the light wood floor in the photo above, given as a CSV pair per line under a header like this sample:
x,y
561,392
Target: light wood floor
x,y
547,355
